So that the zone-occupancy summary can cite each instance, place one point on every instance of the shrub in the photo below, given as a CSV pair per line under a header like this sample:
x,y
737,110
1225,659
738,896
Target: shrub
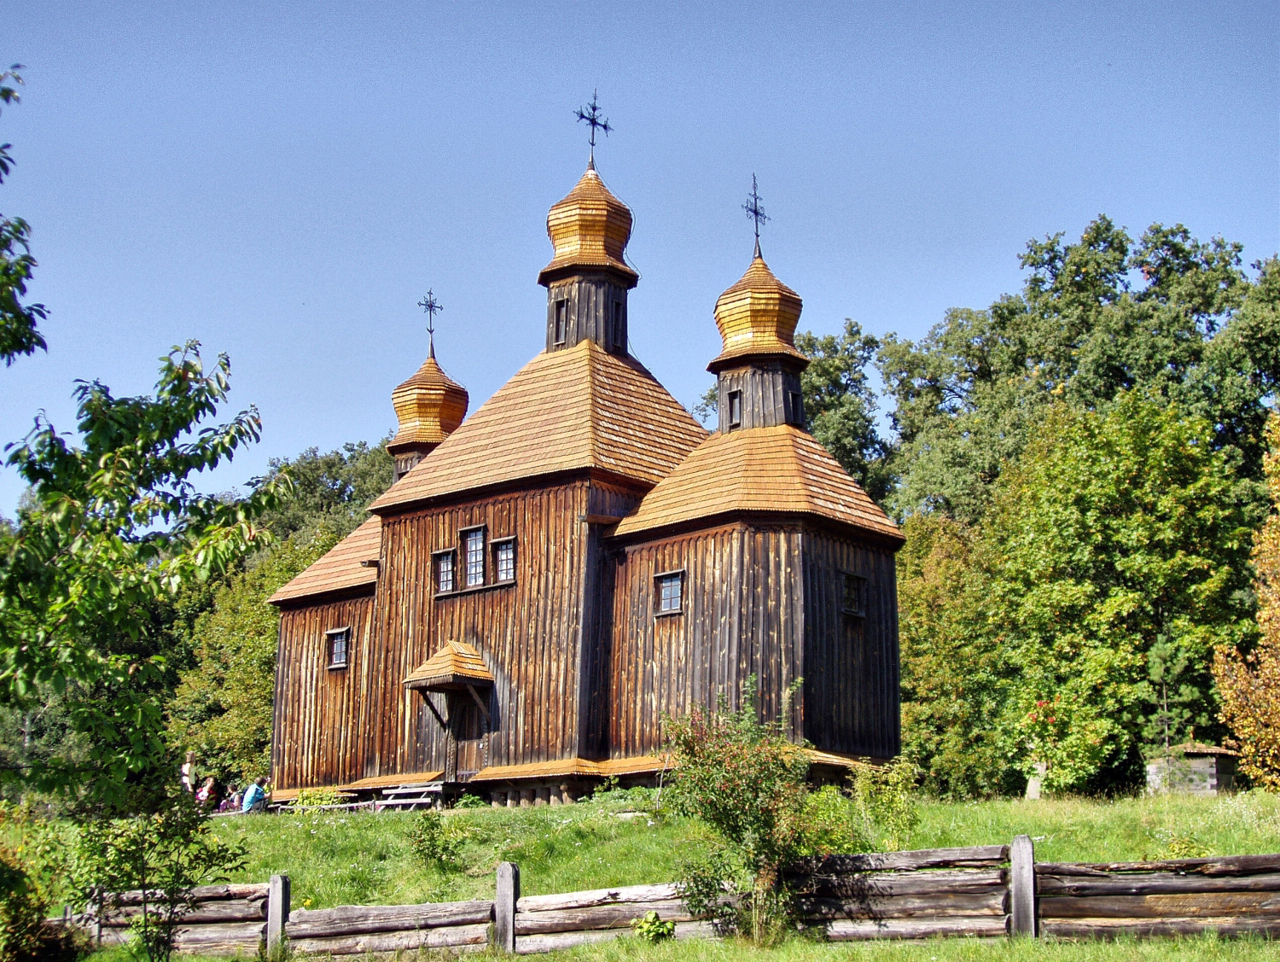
x,y
651,928
164,855
470,801
433,841
747,783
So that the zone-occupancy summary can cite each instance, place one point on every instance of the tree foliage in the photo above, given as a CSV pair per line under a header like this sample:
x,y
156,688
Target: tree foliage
x,y
330,490
222,708
1112,559
18,331
1249,681
114,526
1167,314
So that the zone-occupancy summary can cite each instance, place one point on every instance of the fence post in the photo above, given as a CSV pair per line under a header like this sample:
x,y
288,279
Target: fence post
x,y
1022,887
277,910
504,906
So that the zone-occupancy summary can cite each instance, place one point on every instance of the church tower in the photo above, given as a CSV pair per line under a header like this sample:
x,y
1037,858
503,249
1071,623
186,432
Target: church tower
x,y
758,372
587,280
429,406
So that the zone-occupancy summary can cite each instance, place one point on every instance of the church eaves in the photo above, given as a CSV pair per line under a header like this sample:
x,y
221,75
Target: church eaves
x,y
342,568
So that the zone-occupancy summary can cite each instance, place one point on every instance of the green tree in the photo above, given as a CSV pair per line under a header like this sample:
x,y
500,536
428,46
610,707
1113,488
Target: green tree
x,y
222,709
1116,556
18,332
1166,314
840,405
115,525
330,490
954,676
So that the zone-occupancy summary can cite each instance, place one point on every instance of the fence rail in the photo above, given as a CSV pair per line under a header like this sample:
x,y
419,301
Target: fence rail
x,y
985,891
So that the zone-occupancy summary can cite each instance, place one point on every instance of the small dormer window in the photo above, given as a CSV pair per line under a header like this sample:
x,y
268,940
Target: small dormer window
x,y
735,409
562,321
338,641
797,408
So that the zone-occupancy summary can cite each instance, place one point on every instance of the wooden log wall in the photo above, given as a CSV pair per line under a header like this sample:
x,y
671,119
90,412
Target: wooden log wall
x,y
595,309
529,632
851,693
742,616
316,741
225,920
1230,896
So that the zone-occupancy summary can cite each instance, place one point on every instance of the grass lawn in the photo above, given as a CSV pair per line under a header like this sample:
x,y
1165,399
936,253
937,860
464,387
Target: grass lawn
x,y
345,859
366,858
627,949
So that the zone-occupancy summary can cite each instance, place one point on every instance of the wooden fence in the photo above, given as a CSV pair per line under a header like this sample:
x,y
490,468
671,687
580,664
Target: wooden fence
x,y
986,892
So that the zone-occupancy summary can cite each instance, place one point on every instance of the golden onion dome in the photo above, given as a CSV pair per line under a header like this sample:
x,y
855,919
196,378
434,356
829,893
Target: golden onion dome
x,y
589,229
430,406
757,315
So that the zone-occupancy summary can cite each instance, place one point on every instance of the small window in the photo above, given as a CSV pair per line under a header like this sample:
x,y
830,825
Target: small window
x,y
339,640
735,409
619,330
504,559
797,408
669,588
854,596
562,321
446,579
473,548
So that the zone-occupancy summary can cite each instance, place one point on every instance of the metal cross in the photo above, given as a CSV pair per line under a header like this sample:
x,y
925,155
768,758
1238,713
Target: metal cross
x,y
755,211
430,305
590,114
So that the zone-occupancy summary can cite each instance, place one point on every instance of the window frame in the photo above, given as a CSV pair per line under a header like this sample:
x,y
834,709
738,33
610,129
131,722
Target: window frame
x,y
464,534
859,583
496,545
332,637
676,574
560,322
734,418
436,558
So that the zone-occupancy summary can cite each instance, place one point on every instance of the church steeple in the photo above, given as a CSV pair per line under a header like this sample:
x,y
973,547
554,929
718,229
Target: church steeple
x,y
588,278
429,406
758,370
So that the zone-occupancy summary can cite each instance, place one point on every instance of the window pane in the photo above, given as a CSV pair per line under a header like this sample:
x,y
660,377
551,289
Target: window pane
x,y
669,593
338,648
475,558
855,595
506,561
444,572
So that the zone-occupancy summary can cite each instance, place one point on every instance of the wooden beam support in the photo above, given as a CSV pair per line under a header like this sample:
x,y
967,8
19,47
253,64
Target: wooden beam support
x,y
484,709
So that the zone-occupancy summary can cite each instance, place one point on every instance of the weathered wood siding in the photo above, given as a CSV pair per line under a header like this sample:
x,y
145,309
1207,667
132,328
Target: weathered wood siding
x,y
851,676
762,601
315,742
529,633
743,616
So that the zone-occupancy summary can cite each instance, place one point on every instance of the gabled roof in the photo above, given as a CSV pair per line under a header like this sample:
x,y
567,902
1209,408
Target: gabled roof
x,y
775,470
339,569
454,665
565,410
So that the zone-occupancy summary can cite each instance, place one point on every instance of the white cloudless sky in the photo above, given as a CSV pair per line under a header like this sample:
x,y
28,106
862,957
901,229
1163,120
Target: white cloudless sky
x,y
283,181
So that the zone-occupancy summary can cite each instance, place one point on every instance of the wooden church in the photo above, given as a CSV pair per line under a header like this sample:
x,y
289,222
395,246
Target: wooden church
x,y
549,577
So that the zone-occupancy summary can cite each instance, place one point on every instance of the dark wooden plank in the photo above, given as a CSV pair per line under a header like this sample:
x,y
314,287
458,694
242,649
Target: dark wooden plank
x,y
1214,865
1161,883
1100,928
933,905
982,926
1191,905
974,856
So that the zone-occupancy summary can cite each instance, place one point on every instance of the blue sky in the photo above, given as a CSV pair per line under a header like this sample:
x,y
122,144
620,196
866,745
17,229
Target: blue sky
x,y
284,181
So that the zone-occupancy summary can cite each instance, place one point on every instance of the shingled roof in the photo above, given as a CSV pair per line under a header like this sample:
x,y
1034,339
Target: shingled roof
x,y
777,469
455,665
340,568
565,410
